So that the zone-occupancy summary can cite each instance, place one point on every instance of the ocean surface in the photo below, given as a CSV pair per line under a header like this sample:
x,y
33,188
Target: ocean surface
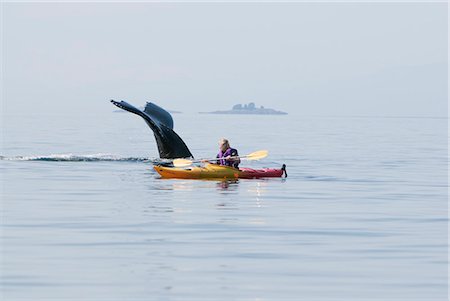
x,y
362,215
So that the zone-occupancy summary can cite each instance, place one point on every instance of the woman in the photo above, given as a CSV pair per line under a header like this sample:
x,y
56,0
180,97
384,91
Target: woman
x,y
227,156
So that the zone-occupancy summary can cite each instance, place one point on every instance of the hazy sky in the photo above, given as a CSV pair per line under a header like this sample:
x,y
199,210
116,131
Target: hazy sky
x,y
312,58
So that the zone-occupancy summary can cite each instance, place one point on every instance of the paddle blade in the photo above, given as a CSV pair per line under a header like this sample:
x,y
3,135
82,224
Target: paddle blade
x,y
182,162
257,155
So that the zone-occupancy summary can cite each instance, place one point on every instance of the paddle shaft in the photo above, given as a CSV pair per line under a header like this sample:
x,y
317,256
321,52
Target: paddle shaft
x,y
253,156
222,158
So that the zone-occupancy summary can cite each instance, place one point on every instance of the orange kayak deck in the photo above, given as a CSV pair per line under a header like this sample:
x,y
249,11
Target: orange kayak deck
x,y
213,171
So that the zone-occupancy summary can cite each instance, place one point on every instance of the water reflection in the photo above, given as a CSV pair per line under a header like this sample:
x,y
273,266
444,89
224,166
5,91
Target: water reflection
x,y
227,185
221,185
258,191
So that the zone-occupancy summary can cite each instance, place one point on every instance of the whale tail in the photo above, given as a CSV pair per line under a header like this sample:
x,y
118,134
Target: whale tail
x,y
170,145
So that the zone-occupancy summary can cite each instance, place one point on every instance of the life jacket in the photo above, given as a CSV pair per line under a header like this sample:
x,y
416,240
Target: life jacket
x,y
229,152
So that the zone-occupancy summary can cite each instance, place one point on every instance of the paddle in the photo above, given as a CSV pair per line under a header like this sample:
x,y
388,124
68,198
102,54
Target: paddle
x,y
253,156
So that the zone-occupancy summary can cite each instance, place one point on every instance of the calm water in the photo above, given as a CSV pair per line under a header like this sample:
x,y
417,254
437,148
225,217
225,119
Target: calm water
x,y
362,215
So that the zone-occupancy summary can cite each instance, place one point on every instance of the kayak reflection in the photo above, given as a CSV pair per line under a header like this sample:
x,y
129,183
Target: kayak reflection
x,y
227,184
189,185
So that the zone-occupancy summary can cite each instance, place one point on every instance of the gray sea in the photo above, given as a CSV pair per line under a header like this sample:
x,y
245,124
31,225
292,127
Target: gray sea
x,y
362,214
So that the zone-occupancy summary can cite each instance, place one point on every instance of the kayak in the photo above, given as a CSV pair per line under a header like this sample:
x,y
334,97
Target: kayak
x,y
214,171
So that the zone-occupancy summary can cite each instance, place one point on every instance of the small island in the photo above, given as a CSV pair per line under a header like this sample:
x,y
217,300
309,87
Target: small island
x,y
248,109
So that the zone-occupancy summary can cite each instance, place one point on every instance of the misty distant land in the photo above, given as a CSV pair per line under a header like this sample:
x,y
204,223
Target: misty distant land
x,y
248,109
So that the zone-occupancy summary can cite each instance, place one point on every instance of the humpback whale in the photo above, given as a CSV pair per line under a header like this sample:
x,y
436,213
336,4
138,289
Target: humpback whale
x,y
170,145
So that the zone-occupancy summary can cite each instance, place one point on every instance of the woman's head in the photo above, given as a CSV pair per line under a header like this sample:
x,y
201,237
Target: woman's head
x,y
224,144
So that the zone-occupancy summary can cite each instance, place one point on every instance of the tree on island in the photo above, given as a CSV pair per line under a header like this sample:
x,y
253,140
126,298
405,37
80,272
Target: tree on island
x,y
249,107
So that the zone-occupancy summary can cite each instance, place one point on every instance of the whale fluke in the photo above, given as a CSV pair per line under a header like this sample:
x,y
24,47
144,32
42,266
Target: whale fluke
x,y
170,145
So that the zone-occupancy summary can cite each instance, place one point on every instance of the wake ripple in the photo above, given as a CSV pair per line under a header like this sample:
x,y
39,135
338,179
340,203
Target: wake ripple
x,y
80,158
